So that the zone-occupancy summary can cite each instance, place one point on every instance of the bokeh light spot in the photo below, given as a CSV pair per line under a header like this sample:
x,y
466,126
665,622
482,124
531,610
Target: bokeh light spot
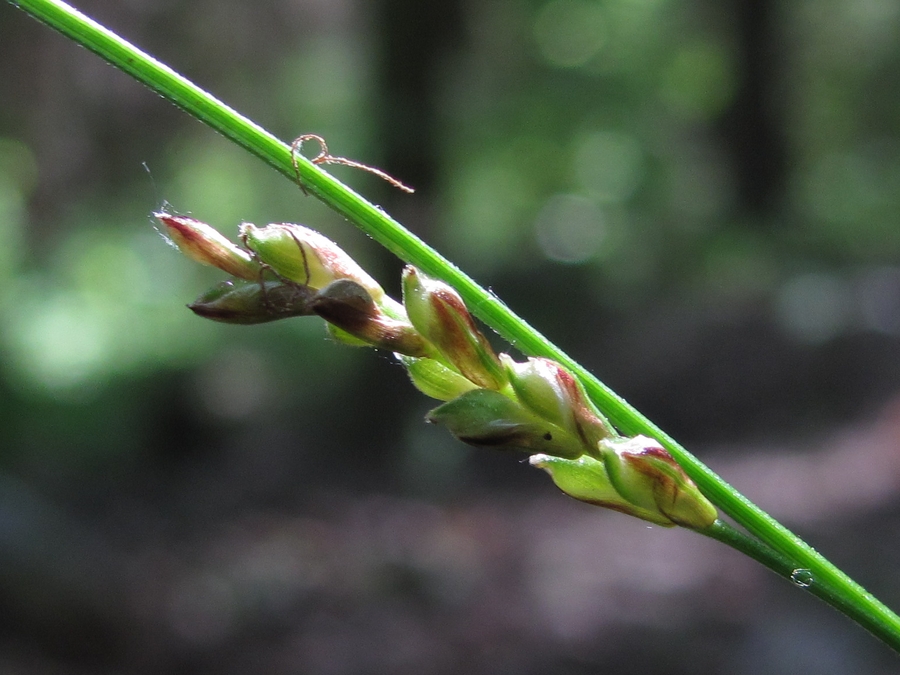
x,y
570,229
609,165
61,341
236,385
879,300
570,32
814,307
699,82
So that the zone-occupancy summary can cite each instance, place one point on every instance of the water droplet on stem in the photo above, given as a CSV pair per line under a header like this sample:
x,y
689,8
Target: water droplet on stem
x,y
802,578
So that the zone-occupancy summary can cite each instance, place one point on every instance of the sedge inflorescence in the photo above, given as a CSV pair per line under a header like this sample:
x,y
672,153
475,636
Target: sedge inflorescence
x,y
489,400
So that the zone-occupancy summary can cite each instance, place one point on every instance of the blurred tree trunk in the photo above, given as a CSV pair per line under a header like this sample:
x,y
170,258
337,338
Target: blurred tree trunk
x,y
752,126
417,39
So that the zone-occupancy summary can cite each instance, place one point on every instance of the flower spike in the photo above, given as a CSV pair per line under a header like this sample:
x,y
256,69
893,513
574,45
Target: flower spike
x,y
537,407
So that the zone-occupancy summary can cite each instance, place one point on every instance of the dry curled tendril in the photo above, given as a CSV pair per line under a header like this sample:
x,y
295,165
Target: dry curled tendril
x,y
325,158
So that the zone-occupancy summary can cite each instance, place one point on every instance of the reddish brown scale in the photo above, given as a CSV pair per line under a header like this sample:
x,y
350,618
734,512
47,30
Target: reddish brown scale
x,y
452,311
181,224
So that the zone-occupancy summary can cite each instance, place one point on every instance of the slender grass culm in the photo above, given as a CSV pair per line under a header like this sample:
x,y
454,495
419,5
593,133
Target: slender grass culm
x,y
595,446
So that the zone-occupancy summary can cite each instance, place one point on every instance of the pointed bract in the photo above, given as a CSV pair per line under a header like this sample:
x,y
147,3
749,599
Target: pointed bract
x,y
489,419
202,243
586,479
435,379
439,313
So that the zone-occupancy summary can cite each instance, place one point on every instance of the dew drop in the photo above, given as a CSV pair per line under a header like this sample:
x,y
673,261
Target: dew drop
x,y
802,578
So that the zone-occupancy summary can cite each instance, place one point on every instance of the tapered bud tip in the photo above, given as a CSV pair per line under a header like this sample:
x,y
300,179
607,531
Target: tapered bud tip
x,y
410,273
442,297
202,243
306,257
586,479
248,302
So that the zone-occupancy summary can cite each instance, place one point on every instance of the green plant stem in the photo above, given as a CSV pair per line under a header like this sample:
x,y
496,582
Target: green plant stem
x,y
842,592
802,578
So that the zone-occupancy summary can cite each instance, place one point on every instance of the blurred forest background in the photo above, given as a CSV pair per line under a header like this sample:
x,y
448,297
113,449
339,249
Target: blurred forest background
x,y
698,199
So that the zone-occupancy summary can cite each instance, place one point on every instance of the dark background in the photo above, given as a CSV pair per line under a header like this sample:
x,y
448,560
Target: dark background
x,y
698,200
